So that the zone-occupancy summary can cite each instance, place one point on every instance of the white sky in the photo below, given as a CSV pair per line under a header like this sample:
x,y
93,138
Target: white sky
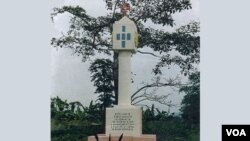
x,y
70,76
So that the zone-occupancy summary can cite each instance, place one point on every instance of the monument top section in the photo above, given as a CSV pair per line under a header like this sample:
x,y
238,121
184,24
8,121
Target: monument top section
x,y
125,7
125,36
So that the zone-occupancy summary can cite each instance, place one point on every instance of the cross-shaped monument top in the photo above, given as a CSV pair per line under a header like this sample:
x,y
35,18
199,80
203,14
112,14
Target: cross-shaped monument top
x,y
123,37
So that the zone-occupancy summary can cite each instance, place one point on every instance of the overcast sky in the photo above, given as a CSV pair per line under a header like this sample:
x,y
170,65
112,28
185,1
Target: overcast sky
x,y
70,76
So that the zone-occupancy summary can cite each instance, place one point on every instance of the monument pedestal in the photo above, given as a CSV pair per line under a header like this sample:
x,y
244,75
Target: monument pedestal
x,y
103,137
124,119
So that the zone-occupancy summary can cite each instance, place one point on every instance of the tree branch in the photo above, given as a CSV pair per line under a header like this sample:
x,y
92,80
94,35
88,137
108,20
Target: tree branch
x,y
148,53
139,101
154,85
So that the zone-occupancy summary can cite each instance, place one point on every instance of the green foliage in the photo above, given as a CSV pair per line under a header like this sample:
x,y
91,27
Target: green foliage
x,y
166,126
69,124
64,111
185,42
73,130
166,130
158,11
151,114
65,128
194,135
102,76
191,101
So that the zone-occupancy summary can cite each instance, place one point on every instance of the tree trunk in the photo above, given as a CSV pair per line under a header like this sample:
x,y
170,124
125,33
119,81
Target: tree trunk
x,y
115,74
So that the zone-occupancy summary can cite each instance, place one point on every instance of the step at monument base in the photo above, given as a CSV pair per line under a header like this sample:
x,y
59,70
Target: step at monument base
x,y
103,137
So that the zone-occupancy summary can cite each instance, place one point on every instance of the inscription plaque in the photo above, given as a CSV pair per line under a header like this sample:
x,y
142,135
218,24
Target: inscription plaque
x,y
124,120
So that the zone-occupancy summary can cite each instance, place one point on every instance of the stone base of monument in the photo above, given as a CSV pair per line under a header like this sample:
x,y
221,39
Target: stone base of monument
x,y
124,119
103,137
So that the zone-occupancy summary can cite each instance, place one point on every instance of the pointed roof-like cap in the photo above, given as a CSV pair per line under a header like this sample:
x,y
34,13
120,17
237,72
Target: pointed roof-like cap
x,y
126,20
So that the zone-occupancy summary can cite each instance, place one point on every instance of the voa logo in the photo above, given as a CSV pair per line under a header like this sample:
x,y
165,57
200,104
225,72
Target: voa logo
x,y
236,132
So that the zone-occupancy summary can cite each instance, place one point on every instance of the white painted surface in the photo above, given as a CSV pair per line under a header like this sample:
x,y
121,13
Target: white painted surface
x,y
124,79
124,118
131,28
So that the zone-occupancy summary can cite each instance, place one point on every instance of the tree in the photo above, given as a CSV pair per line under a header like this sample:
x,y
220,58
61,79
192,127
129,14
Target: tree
x,y
88,36
101,70
191,102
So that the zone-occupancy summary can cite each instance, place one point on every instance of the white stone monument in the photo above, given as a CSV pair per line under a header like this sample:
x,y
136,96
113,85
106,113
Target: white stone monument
x,y
124,118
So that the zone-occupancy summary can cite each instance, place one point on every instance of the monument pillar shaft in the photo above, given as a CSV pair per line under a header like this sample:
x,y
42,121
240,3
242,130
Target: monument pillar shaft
x,y
124,82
